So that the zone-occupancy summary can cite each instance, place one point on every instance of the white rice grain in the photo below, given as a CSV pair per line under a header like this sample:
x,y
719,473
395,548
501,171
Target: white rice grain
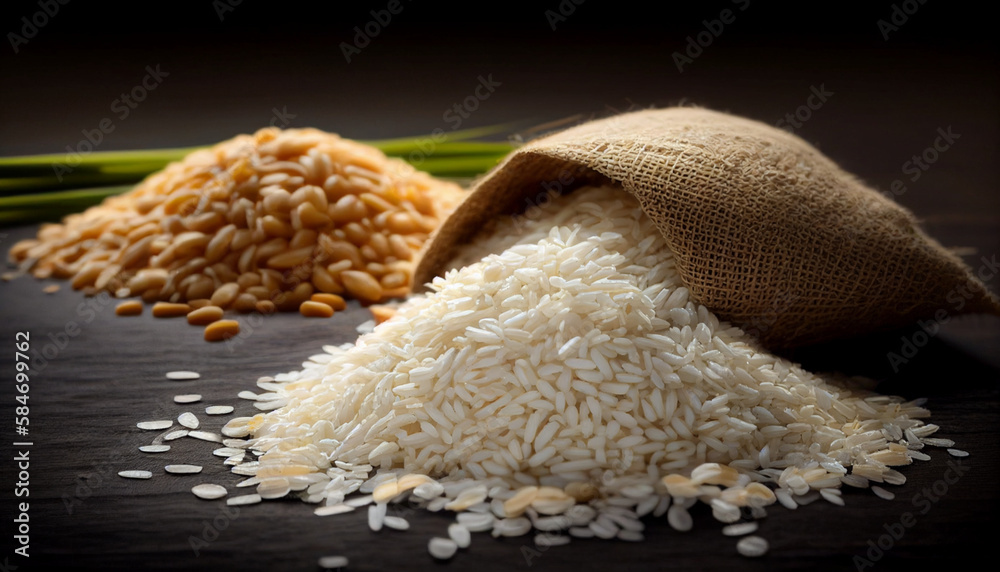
x,y
219,409
333,562
740,529
475,522
882,493
188,419
205,436
679,518
209,491
442,548
752,546
333,509
396,523
460,535
154,448
183,469
376,516
243,500
182,375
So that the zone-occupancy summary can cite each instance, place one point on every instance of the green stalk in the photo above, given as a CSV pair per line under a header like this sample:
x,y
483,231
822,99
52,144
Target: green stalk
x,y
404,145
39,206
428,149
36,173
46,165
22,185
458,166
75,198
46,187
27,216
150,160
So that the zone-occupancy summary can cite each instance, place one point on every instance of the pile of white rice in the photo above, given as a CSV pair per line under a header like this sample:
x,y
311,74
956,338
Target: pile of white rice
x,y
567,385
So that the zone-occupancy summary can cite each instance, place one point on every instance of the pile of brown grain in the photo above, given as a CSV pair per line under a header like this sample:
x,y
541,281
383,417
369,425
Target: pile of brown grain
x,y
257,223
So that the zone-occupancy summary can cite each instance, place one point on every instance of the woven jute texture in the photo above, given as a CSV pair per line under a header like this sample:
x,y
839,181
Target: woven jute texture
x,y
768,233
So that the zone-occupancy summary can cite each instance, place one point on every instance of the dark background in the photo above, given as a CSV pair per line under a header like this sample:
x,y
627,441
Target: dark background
x,y
230,75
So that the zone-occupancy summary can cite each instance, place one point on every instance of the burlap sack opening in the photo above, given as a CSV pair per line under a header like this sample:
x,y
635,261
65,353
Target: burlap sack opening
x,y
768,232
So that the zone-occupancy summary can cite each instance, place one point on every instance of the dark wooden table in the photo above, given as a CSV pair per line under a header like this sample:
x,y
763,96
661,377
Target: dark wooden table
x,y
97,374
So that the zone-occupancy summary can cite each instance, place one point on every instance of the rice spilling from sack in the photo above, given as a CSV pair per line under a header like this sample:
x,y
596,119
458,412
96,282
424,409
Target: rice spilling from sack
x,y
568,367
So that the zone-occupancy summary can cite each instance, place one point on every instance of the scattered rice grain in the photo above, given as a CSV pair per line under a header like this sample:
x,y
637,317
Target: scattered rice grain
x,y
209,491
154,448
752,546
183,375
183,469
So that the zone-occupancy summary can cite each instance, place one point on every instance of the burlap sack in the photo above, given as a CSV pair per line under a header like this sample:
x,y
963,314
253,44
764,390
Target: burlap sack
x,y
768,233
